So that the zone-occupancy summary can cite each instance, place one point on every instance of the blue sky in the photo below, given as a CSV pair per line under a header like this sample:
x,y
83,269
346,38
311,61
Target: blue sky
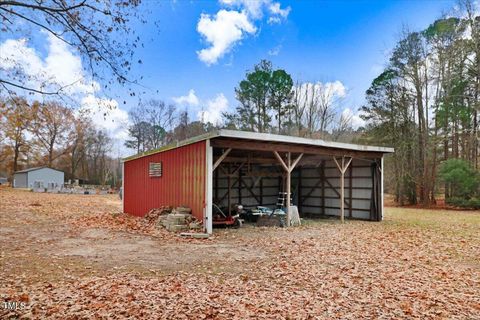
x,y
201,50
322,41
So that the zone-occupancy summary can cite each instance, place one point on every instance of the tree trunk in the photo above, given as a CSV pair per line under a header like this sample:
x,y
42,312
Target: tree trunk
x,y
421,144
279,119
15,156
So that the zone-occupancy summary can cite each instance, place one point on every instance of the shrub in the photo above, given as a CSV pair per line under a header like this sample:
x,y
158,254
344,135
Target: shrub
x,y
461,177
473,203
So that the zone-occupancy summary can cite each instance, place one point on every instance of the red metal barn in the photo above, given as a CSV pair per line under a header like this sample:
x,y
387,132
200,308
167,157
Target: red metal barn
x,y
225,167
181,182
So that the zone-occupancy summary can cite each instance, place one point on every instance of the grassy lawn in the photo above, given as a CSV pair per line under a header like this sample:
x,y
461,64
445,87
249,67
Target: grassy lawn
x,y
76,256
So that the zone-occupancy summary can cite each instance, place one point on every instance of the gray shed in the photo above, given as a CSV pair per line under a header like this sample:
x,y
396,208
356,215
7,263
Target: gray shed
x,y
40,177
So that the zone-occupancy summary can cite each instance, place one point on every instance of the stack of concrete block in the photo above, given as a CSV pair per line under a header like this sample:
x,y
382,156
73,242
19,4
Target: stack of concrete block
x,y
180,219
154,215
176,221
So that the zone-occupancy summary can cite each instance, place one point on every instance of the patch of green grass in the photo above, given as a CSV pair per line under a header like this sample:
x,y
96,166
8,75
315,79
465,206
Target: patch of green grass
x,y
308,222
450,221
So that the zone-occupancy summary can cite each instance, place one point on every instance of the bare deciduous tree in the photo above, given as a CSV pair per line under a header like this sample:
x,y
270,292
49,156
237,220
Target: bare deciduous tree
x,y
51,128
315,106
101,31
16,116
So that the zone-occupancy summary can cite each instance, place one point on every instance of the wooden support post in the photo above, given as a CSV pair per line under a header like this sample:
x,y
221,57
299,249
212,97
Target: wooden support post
x,y
342,192
215,173
322,168
280,184
350,182
381,188
299,188
289,166
239,186
261,192
330,186
289,185
229,181
343,167
208,216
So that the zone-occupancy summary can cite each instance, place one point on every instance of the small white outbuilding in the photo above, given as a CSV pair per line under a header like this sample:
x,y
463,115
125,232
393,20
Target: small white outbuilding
x,y
39,177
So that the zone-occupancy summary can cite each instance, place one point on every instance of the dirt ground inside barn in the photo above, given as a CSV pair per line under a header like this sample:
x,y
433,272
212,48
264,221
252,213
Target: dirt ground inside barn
x,y
76,256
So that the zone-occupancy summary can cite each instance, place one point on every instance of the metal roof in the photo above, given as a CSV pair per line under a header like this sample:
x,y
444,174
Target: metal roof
x,y
35,168
266,137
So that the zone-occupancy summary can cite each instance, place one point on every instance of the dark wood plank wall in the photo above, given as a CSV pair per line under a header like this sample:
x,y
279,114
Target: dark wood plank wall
x,y
315,188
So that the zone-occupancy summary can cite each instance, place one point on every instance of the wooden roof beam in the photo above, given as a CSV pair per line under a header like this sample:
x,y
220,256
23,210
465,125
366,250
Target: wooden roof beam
x,y
284,147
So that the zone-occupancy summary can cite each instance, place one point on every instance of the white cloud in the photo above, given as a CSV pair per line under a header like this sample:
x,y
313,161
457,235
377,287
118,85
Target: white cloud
x,y
227,27
16,52
189,100
106,115
275,8
256,8
222,31
252,7
277,12
211,110
334,88
60,68
215,108
274,20
275,51
328,91
355,119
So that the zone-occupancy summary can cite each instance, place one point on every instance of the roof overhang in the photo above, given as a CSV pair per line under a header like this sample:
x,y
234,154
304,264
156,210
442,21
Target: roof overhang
x,y
35,169
238,139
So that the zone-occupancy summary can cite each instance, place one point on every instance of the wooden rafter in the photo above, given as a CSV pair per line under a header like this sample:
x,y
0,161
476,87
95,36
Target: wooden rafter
x,y
222,157
284,165
254,160
294,164
343,168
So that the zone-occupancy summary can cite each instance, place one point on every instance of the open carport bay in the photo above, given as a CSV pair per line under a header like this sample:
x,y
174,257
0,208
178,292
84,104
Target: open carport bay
x,y
258,179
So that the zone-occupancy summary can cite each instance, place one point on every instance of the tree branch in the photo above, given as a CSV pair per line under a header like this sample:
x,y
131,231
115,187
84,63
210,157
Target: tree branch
x,y
42,8
37,24
5,82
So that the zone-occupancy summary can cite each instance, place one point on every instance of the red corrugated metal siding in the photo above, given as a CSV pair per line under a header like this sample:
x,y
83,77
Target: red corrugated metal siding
x,y
182,181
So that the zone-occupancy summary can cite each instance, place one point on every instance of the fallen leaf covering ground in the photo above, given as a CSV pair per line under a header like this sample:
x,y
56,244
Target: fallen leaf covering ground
x,y
77,257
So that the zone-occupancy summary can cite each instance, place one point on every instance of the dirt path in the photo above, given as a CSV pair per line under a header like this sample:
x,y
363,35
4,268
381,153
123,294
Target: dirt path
x,y
35,230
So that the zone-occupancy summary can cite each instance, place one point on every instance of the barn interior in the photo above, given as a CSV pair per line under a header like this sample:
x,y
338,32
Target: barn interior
x,y
256,173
